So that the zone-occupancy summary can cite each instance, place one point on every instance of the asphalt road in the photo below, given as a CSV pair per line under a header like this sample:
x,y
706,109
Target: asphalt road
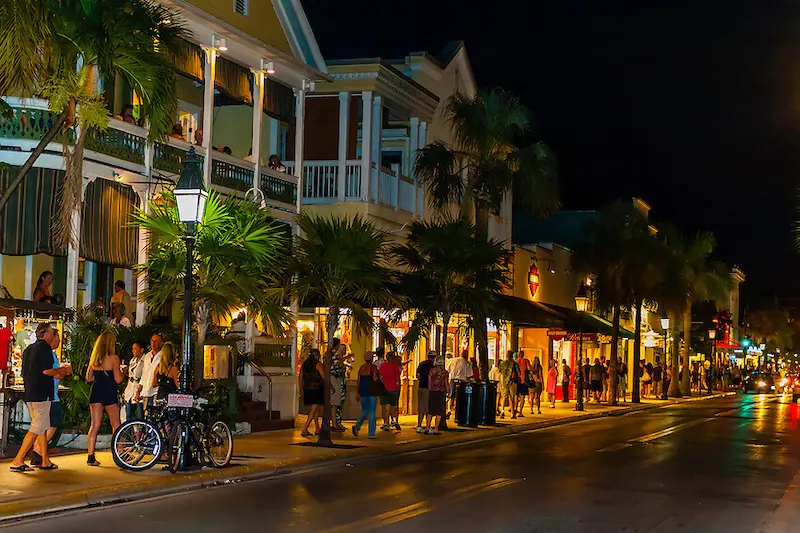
x,y
719,465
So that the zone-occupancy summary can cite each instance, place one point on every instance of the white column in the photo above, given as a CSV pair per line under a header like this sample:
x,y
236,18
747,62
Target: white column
x,y
73,251
274,133
412,157
366,145
344,115
208,111
258,115
299,139
141,258
423,136
27,293
377,123
89,268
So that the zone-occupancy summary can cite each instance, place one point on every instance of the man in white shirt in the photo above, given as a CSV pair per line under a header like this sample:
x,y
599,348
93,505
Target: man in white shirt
x,y
150,363
461,370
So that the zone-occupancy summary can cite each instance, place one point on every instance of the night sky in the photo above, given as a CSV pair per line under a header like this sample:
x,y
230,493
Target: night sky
x,y
692,106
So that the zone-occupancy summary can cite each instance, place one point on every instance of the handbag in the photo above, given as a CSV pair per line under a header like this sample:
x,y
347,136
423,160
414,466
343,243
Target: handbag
x,y
376,386
646,377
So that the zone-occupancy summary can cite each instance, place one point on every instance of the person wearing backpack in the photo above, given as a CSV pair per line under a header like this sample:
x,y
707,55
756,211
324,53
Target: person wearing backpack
x,y
312,389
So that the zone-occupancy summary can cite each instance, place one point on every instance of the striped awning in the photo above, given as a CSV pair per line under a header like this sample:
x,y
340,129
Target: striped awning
x,y
106,234
25,219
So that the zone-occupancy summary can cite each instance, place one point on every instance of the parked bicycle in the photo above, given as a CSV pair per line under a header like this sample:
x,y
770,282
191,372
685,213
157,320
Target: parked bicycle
x,y
183,433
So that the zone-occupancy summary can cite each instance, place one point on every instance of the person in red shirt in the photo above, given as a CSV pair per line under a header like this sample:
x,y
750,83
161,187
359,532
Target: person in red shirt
x,y
5,342
390,375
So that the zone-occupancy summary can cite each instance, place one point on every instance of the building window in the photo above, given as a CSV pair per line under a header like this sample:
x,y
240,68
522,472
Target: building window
x,y
241,7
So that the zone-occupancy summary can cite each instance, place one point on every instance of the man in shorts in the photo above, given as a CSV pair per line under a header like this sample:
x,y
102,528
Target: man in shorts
x,y
423,371
390,375
56,413
38,373
509,370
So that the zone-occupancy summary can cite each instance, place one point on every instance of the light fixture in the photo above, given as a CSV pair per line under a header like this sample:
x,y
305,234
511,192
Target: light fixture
x,y
582,299
712,334
220,43
552,267
268,66
117,177
190,191
665,322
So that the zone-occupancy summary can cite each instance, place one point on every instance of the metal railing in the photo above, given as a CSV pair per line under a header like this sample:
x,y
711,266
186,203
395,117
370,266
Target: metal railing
x,y
232,173
269,382
169,156
119,140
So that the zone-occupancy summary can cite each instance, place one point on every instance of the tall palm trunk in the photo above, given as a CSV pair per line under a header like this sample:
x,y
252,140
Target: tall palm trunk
x,y
637,352
613,377
203,318
446,317
57,127
687,344
325,431
674,386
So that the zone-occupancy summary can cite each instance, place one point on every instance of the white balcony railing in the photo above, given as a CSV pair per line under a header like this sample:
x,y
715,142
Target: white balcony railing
x,y
321,180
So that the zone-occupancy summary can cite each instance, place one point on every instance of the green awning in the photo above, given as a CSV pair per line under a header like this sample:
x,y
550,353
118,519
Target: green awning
x,y
106,233
25,219
588,322
528,314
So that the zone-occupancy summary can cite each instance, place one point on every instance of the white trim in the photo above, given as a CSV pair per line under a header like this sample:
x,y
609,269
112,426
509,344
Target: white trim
x,y
344,115
258,114
208,111
308,33
366,144
27,293
299,141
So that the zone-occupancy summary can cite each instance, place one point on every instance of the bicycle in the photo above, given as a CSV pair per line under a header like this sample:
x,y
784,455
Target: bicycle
x,y
138,445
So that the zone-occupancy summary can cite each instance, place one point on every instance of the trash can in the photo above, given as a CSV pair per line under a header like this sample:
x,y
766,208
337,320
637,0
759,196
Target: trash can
x,y
468,403
488,403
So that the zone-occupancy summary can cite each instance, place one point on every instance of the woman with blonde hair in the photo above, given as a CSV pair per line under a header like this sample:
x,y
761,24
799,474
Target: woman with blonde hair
x,y
165,378
104,373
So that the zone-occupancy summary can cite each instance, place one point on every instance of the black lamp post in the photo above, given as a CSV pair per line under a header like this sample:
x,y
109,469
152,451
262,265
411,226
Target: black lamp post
x,y
712,336
190,195
581,304
665,327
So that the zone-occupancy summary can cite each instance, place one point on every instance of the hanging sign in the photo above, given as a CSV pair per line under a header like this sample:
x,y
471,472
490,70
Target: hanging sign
x,y
533,279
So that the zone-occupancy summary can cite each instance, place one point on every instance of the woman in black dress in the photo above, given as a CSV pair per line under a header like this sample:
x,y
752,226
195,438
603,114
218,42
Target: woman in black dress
x,y
312,387
104,374
166,375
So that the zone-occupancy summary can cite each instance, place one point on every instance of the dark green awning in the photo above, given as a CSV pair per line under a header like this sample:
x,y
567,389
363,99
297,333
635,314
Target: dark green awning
x,y
588,322
106,233
25,219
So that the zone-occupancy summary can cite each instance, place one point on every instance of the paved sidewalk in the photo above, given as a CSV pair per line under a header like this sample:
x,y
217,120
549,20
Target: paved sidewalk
x,y
76,485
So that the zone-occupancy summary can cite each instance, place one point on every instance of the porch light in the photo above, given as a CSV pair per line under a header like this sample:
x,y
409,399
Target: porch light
x,y
712,334
582,299
190,192
220,43
268,66
665,322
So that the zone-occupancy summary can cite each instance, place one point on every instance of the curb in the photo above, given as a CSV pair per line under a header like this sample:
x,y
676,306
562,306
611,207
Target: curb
x,y
139,490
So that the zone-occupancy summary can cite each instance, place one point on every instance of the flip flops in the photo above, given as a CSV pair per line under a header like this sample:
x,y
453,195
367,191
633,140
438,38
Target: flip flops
x,y
21,468
51,466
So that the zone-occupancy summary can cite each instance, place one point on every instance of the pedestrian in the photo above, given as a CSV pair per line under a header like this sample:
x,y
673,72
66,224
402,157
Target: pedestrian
x,y
42,291
596,379
524,387
369,384
147,392
423,371
165,379
38,374
437,396
460,370
658,376
476,372
379,357
726,377
133,403
509,372
104,373
338,385
121,296
390,373
647,378
537,385
494,375
565,374
312,390
552,383
604,379
56,412
118,317
622,384
275,163
587,388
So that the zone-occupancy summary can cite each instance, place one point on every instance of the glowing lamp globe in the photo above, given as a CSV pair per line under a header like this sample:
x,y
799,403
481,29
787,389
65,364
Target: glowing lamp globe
x,y
190,192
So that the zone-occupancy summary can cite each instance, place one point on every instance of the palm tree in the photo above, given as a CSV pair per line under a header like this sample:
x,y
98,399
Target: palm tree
x,y
238,264
342,262
704,280
613,254
449,269
42,42
486,165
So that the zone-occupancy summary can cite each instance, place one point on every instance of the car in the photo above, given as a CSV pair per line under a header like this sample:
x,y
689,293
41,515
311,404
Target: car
x,y
792,386
760,383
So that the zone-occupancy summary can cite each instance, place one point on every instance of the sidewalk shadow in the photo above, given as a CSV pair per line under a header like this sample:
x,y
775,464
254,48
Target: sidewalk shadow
x,y
334,446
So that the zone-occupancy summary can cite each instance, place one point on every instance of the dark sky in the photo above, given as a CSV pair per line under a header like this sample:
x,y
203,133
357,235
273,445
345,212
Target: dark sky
x,y
691,105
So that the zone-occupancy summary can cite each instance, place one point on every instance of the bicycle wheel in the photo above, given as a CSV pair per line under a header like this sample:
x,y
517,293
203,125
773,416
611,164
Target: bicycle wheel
x,y
136,445
220,444
177,445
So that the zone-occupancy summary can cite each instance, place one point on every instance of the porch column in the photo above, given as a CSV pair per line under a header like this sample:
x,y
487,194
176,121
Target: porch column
x,y
141,258
73,251
299,139
258,116
377,123
27,292
344,114
421,142
412,157
366,145
208,111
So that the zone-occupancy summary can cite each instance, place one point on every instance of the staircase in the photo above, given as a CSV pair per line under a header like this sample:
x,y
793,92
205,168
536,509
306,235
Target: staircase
x,y
256,414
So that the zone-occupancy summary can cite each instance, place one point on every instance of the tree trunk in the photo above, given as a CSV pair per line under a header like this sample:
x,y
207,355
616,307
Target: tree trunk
x,y
198,367
686,387
481,220
23,171
637,353
325,431
613,378
674,385
482,347
445,324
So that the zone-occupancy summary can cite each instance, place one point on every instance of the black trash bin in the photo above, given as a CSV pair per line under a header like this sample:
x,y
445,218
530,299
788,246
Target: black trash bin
x,y
468,403
488,403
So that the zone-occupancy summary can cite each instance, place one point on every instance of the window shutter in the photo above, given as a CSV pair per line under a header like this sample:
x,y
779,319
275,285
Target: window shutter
x,y
241,7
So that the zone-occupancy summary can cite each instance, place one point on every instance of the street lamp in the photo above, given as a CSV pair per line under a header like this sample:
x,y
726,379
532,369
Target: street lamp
x,y
712,336
190,195
581,304
665,327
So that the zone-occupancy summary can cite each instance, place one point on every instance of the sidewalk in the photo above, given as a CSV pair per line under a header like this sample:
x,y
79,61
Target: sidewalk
x,y
74,485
